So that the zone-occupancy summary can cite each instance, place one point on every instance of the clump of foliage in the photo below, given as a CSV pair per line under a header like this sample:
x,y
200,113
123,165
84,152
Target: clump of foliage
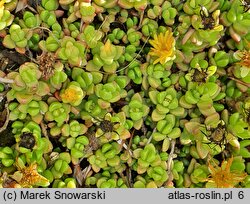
x,y
124,94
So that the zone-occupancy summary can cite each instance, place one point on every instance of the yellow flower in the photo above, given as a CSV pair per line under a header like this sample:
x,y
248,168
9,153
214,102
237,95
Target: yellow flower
x,y
163,47
72,95
1,8
2,3
223,177
108,47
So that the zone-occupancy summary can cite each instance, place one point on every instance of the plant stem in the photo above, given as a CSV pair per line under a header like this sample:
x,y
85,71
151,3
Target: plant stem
x,y
150,138
6,81
6,118
131,139
125,179
170,159
240,82
141,19
187,36
129,177
135,56
44,130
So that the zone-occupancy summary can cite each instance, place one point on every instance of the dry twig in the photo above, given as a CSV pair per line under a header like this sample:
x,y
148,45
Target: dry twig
x,y
240,82
7,112
6,80
170,159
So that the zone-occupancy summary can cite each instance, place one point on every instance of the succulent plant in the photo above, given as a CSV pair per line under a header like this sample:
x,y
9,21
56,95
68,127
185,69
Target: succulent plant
x,y
87,12
128,4
91,108
168,13
73,29
236,29
27,84
243,149
50,5
86,80
67,183
65,2
106,3
238,127
116,36
58,112
91,36
149,161
156,76
136,110
165,101
106,180
72,51
6,18
106,157
143,183
48,17
158,174
124,93
77,146
1,87
30,20
61,165
201,71
134,72
105,56
199,174
167,128
73,129
58,77
110,183
205,21
220,59
202,93
18,38
108,93
36,109
7,156
34,41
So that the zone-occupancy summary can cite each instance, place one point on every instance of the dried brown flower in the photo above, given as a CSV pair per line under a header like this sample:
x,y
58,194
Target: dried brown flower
x,y
29,177
46,64
223,177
